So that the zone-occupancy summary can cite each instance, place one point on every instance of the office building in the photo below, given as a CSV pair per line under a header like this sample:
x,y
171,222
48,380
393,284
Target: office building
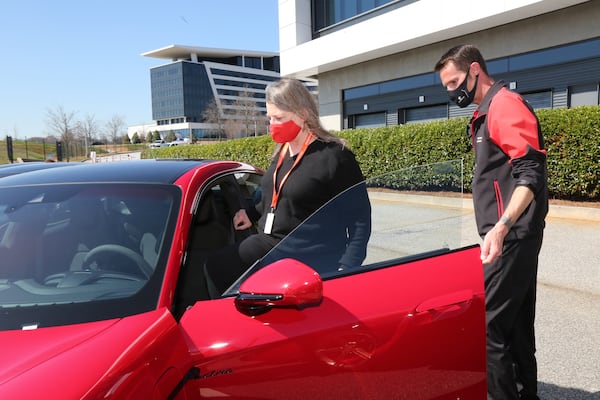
x,y
195,78
374,59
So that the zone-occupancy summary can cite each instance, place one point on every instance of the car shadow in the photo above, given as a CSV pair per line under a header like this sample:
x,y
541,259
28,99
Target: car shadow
x,y
548,391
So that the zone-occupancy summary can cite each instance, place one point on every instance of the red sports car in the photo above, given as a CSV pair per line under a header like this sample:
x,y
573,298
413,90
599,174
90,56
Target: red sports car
x,y
104,294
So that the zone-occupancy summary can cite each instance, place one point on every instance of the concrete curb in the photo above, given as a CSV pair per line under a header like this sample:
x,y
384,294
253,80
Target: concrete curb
x,y
578,213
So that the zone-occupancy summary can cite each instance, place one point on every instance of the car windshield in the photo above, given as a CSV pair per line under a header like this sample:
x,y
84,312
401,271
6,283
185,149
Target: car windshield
x,y
383,221
82,252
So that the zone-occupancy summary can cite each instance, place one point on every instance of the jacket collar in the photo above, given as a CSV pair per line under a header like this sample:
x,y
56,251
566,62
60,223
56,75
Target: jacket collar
x,y
487,99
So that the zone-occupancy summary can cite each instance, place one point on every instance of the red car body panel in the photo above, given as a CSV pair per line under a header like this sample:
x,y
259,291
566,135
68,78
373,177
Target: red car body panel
x,y
397,343
110,359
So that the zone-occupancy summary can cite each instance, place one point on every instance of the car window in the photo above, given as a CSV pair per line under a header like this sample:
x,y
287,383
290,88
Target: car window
x,y
383,221
99,250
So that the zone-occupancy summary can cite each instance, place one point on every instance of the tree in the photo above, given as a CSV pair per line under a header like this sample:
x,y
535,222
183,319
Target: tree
x,y
149,137
155,136
115,128
170,137
142,136
87,130
233,128
135,139
61,124
212,115
260,125
243,117
247,111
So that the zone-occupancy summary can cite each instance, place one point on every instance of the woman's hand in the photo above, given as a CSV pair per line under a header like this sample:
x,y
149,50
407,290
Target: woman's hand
x,y
241,220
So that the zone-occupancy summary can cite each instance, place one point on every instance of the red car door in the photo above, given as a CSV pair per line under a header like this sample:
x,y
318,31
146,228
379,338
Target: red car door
x,y
408,323
413,331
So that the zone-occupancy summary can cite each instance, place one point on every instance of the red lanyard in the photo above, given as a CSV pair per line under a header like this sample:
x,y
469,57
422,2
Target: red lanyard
x,y
282,152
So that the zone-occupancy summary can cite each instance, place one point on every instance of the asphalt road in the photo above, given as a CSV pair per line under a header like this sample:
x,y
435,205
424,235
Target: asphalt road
x,y
568,304
568,311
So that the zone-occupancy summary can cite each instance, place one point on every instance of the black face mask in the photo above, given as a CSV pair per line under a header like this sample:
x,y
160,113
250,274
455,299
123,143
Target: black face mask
x,y
461,95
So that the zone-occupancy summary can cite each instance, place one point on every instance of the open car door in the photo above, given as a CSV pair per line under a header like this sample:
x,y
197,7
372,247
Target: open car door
x,y
405,322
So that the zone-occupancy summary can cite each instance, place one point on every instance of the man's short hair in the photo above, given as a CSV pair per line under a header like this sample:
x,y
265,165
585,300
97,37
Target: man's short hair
x,y
462,56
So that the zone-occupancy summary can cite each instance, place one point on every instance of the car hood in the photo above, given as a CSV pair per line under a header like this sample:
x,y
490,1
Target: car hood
x,y
68,361
28,349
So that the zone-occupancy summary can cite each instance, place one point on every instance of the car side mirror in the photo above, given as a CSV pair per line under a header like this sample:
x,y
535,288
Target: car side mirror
x,y
286,283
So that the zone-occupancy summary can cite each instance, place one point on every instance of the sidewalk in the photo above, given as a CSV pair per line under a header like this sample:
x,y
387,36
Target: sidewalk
x,y
578,213
562,211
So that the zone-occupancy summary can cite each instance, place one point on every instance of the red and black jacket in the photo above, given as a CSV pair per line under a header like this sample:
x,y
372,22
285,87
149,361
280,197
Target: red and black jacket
x,y
509,152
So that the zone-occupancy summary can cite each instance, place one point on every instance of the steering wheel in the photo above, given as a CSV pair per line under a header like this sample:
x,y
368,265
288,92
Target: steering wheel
x,y
79,278
104,256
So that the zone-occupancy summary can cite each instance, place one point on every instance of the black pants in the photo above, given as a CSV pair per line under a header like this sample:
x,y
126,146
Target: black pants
x,y
226,265
510,288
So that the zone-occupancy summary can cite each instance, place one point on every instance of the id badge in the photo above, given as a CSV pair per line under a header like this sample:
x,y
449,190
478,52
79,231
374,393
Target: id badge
x,y
269,223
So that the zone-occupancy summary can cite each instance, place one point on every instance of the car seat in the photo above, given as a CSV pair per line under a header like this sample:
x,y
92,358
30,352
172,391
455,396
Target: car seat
x,y
211,229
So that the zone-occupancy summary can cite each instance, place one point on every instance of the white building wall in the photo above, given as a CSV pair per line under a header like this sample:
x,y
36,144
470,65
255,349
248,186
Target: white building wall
x,y
294,23
417,24
410,39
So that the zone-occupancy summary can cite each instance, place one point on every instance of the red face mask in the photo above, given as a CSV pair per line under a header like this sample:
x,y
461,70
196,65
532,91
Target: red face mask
x,y
285,132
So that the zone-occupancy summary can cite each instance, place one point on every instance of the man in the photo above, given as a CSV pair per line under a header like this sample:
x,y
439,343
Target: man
x,y
510,197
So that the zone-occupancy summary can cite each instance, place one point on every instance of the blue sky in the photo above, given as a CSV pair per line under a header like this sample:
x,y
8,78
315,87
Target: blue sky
x,y
85,56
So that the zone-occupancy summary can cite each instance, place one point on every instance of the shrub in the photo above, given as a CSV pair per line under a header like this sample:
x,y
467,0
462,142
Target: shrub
x,y
572,139
573,142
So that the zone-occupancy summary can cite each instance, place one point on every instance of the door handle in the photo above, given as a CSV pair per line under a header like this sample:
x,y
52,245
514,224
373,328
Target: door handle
x,y
448,302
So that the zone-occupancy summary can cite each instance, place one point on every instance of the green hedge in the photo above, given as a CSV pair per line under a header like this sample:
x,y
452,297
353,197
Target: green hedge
x,y
382,150
253,150
573,142
572,139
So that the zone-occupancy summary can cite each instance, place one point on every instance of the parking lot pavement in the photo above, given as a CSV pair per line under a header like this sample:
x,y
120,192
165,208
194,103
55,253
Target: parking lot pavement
x,y
568,344
568,306
570,255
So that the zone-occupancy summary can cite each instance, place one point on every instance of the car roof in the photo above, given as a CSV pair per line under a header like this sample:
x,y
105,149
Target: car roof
x,y
19,168
148,171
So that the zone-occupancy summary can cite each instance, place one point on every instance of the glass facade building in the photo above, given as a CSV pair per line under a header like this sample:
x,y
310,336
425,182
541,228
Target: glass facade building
x,y
174,97
195,78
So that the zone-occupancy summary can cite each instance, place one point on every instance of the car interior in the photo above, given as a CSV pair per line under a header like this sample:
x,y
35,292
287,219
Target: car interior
x,y
70,236
212,229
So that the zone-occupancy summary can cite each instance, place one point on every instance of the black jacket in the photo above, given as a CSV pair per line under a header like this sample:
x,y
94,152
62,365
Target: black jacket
x,y
509,152
333,238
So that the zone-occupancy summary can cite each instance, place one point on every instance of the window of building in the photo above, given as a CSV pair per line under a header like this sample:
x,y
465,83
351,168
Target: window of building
x,y
246,85
422,114
271,64
541,99
367,120
244,75
331,12
584,95
252,62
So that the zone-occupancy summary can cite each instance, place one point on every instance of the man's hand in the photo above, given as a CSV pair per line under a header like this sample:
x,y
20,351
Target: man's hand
x,y
241,220
493,242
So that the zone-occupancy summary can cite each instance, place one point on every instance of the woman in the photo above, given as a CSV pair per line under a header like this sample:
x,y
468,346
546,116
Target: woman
x,y
310,166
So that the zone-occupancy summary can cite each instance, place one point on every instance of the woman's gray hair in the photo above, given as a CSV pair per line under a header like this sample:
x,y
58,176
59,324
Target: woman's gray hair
x,y
291,95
